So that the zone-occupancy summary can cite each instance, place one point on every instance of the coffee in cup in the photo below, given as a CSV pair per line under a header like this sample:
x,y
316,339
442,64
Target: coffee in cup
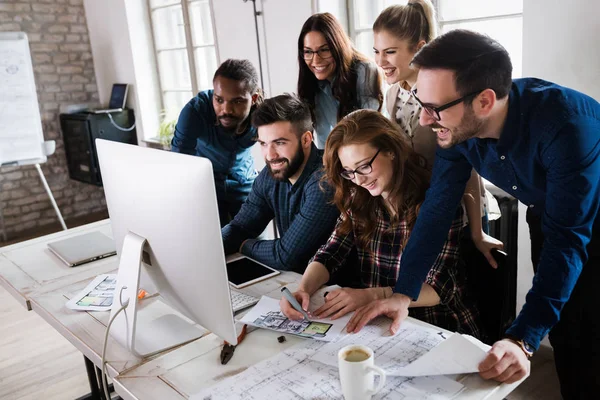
x,y
357,373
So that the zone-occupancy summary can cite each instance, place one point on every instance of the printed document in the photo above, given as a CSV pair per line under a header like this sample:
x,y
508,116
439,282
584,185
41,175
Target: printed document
x,y
267,314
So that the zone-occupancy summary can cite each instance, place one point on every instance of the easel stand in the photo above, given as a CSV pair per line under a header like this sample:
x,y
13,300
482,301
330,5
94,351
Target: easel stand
x,y
49,148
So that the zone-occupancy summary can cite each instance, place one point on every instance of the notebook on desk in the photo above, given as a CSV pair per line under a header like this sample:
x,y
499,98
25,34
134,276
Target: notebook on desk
x,y
118,98
84,248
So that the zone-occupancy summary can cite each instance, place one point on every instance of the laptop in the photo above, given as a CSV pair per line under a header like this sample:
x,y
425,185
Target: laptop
x,y
84,248
118,98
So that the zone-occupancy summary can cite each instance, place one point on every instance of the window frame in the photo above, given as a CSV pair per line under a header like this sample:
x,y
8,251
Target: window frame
x,y
441,22
353,31
189,45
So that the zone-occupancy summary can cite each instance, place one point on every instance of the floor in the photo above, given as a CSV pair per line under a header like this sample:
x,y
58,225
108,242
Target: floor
x,y
36,362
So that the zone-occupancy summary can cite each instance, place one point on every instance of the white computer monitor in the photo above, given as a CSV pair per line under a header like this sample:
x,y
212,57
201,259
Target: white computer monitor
x,y
163,211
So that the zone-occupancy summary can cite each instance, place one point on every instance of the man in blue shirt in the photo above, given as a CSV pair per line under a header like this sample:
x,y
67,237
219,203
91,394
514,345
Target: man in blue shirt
x,y
216,124
289,189
539,142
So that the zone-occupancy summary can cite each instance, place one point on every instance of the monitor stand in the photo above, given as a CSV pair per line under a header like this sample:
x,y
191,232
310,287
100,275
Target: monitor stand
x,y
144,330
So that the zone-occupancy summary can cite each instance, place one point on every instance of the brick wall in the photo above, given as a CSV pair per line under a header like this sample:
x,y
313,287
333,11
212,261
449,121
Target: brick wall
x,y
64,75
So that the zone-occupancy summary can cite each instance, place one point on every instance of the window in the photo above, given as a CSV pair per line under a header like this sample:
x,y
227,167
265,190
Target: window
x,y
185,49
500,19
357,17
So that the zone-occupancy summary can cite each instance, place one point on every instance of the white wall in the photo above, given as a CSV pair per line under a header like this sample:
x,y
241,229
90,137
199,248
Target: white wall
x,y
111,49
279,26
560,45
283,21
115,57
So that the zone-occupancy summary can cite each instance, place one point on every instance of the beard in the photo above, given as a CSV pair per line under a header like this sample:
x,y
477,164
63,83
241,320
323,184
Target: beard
x,y
469,127
289,168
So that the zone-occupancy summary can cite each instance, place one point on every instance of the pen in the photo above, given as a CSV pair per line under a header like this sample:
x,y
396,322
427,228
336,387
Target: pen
x,y
290,297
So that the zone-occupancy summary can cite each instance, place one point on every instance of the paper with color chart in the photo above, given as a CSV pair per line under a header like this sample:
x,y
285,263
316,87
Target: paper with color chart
x,y
97,295
267,314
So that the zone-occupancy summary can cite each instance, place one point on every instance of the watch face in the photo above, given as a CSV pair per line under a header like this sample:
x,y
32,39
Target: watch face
x,y
528,347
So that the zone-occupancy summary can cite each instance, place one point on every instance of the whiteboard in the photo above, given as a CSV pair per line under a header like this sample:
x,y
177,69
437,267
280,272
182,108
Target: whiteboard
x,y
21,136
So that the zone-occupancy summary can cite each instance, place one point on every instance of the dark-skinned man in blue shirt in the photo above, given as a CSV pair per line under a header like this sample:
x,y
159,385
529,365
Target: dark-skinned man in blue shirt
x,y
288,189
215,124
540,142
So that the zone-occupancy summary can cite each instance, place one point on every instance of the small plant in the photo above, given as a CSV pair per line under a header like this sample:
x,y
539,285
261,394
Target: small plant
x,y
166,129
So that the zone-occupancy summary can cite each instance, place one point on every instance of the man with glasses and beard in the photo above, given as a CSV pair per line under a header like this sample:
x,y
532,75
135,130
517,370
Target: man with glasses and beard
x,y
215,124
540,142
289,190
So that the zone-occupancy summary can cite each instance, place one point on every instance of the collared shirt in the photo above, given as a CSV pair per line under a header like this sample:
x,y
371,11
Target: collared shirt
x,y
548,157
303,213
379,265
422,138
326,105
197,133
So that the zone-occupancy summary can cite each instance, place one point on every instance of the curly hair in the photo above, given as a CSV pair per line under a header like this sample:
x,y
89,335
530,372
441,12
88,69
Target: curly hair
x,y
410,176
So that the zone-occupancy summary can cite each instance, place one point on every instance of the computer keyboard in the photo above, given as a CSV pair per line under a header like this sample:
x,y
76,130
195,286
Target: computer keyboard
x,y
239,300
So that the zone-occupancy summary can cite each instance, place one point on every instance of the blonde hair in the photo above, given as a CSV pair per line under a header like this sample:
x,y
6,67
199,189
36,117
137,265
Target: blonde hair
x,y
413,22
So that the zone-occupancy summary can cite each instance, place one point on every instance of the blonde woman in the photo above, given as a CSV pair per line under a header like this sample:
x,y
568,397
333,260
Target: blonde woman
x,y
399,32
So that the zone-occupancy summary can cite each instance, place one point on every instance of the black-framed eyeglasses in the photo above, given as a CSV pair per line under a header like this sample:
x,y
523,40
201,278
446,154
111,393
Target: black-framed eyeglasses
x,y
434,112
323,53
364,169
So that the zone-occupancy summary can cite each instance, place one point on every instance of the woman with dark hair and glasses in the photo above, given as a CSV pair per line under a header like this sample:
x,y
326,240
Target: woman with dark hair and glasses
x,y
334,78
379,184
399,32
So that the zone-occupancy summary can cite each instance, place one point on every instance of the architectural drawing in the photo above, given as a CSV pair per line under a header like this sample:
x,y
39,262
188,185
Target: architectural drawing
x,y
306,371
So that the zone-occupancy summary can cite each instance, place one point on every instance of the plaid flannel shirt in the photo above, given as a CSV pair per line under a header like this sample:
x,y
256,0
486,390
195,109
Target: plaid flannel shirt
x,y
303,213
379,266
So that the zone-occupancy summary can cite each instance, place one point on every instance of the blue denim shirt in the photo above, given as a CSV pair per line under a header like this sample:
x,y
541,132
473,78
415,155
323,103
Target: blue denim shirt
x,y
303,212
197,133
326,106
548,157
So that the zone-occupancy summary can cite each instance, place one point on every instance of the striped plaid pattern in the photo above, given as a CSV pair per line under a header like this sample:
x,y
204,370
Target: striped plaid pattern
x,y
379,265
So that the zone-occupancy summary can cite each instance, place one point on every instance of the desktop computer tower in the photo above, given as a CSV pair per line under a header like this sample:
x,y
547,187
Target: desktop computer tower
x,y
81,129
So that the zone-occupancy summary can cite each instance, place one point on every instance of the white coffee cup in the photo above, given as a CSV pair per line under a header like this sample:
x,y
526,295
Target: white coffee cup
x,y
357,372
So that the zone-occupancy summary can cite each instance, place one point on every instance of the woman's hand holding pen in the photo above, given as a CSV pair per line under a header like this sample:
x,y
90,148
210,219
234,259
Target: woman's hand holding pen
x,y
342,301
303,298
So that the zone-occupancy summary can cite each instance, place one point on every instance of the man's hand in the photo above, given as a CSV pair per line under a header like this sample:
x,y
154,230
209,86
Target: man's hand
x,y
395,307
485,243
342,301
506,362
289,311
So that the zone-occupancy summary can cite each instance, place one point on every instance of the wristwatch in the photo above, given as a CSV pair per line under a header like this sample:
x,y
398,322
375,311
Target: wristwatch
x,y
526,347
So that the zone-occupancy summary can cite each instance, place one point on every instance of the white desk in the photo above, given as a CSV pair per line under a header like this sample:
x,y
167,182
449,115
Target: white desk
x,y
35,277
30,268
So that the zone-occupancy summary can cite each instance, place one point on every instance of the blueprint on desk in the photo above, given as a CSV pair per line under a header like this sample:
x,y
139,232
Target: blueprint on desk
x,y
309,369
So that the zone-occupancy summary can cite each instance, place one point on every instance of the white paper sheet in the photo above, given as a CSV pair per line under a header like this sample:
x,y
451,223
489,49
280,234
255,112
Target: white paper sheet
x,y
296,374
267,314
21,136
414,351
457,355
